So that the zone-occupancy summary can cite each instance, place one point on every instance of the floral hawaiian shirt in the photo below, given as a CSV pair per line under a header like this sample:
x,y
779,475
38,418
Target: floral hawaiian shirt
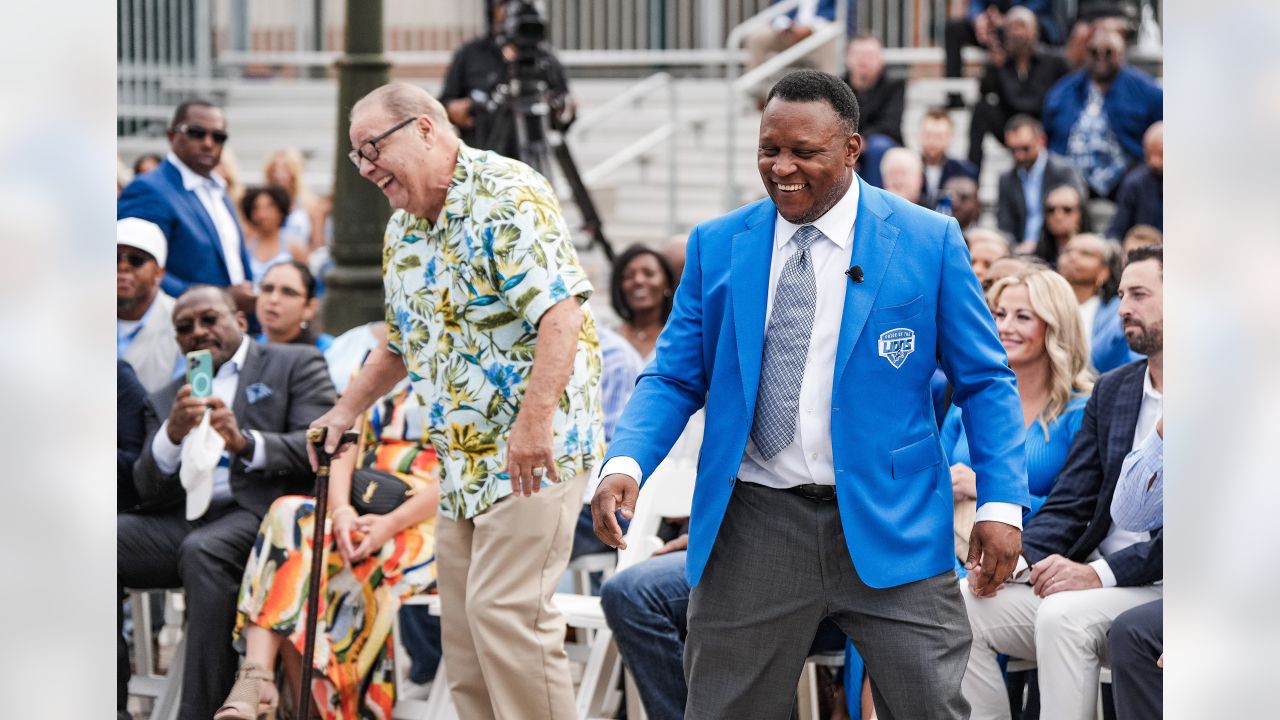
x,y
463,298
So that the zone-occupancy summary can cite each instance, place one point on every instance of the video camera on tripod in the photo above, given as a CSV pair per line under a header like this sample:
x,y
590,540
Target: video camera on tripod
x,y
526,106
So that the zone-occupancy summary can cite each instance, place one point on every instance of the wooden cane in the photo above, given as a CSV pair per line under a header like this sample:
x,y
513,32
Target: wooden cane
x,y
316,436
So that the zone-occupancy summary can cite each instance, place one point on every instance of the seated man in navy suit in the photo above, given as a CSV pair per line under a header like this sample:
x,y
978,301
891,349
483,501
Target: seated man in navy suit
x,y
1079,569
264,398
187,200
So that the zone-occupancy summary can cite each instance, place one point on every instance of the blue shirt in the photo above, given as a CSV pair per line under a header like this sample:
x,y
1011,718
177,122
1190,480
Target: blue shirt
x,y
1138,504
621,365
1033,196
1045,457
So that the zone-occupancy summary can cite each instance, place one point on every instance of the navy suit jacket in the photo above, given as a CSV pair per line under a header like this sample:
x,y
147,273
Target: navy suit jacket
x,y
195,250
1077,515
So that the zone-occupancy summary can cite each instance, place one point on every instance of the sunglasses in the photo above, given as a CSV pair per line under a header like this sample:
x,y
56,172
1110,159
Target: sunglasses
x,y
135,258
369,148
197,133
1102,52
1062,209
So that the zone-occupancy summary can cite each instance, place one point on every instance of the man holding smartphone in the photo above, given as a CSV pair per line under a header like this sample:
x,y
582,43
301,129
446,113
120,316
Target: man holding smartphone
x,y
261,400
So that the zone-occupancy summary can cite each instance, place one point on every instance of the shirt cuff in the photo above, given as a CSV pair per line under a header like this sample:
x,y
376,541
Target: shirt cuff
x,y
782,22
1004,512
620,464
166,454
259,459
1020,574
1103,569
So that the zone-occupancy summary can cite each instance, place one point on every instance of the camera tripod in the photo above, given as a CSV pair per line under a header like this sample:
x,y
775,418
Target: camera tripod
x,y
516,104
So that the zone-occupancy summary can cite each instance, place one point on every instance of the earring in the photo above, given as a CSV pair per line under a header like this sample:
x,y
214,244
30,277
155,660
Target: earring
x,y
304,324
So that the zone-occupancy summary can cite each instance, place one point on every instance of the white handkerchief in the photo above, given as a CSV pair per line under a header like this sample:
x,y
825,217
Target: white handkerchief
x,y
200,454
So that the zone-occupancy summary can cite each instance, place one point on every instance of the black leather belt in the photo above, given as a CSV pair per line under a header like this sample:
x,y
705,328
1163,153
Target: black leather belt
x,y
814,492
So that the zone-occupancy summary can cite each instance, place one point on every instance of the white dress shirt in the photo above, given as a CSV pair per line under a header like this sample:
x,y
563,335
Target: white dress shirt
x,y
225,383
212,192
808,458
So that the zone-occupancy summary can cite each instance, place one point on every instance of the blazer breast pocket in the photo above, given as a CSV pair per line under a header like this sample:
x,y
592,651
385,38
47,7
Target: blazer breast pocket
x,y
893,314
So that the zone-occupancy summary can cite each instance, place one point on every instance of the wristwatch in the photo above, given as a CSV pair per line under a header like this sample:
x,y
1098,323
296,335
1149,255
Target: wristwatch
x,y
246,455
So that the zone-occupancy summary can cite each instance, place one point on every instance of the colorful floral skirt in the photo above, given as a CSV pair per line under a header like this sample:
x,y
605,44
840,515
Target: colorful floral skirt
x,y
354,656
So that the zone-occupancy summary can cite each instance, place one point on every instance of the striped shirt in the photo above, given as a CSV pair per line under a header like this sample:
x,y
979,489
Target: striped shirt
x,y
1138,504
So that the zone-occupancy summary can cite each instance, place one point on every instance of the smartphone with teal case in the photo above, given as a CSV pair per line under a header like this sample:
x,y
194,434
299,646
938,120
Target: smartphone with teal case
x,y
200,373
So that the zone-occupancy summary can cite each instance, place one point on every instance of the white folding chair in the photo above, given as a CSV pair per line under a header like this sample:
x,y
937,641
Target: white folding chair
x,y
146,681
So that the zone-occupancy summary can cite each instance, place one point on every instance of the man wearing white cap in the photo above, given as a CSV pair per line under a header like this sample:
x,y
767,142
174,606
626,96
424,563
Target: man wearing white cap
x,y
144,313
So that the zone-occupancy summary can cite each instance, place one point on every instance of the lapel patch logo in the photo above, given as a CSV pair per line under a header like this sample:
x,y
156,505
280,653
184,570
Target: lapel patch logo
x,y
256,392
896,345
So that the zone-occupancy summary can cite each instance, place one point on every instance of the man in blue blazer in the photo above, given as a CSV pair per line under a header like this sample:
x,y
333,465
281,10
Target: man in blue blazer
x,y
188,201
1079,569
809,325
1097,116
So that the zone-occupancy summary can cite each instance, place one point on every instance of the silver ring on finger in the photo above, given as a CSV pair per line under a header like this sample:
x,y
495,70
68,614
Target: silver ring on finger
x,y
538,472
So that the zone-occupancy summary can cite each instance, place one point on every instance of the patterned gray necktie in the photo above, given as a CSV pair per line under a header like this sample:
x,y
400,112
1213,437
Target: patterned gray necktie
x,y
786,345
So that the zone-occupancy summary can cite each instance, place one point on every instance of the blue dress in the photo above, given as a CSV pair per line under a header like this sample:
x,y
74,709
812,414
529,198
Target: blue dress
x,y
1044,457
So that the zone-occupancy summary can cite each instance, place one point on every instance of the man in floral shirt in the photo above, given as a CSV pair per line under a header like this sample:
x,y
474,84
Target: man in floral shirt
x,y
485,313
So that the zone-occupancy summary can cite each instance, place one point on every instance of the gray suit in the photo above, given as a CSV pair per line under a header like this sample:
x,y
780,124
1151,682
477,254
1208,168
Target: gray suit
x,y
1011,206
157,547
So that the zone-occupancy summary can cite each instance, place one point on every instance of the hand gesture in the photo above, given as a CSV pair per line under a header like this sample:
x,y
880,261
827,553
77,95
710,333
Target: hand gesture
x,y
993,554
964,483
1056,574
343,526
335,422
680,543
529,456
185,414
378,531
223,421
616,492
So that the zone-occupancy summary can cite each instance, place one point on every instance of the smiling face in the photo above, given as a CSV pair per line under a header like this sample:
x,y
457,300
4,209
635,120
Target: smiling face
x,y
203,319
805,158
282,303
644,285
404,166
1021,329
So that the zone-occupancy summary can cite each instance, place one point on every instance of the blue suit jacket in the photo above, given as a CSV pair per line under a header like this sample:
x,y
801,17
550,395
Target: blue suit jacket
x,y
1076,517
1132,104
892,481
195,252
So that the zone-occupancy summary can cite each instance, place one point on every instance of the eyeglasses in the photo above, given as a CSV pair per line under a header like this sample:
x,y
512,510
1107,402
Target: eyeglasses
x,y
135,258
197,133
1103,52
1067,209
369,148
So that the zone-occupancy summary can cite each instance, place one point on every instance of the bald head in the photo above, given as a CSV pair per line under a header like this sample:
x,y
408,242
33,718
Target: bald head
x,y
902,173
1106,55
1153,147
403,100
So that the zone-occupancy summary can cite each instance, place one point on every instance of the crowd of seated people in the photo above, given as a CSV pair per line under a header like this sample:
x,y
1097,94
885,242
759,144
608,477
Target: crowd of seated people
x,y
199,268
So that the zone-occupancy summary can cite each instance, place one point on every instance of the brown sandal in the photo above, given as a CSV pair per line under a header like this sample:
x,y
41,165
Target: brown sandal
x,y
245,701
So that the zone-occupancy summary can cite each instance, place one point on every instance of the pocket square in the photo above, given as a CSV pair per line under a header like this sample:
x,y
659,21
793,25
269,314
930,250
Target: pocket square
x,y
256,392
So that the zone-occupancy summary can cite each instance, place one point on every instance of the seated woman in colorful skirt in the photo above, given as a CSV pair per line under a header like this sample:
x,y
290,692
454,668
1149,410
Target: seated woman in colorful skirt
x,y
372,561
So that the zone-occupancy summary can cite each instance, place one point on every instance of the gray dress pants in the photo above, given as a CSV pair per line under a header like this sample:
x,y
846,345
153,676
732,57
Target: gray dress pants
x,y
779,567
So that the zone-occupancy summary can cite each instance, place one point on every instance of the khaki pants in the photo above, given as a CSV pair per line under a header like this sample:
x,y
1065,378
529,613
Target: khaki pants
x,y
503,638
1065,633
765,41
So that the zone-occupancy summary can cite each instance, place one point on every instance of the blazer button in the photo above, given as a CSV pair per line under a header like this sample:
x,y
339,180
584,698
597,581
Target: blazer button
x,y
732,478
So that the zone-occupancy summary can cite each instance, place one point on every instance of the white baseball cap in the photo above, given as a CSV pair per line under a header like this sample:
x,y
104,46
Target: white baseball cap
x,y
143,235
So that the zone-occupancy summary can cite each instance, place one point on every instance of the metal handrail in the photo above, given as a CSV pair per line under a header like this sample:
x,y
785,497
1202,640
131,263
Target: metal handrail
x,y
737,85
627,97
636,149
